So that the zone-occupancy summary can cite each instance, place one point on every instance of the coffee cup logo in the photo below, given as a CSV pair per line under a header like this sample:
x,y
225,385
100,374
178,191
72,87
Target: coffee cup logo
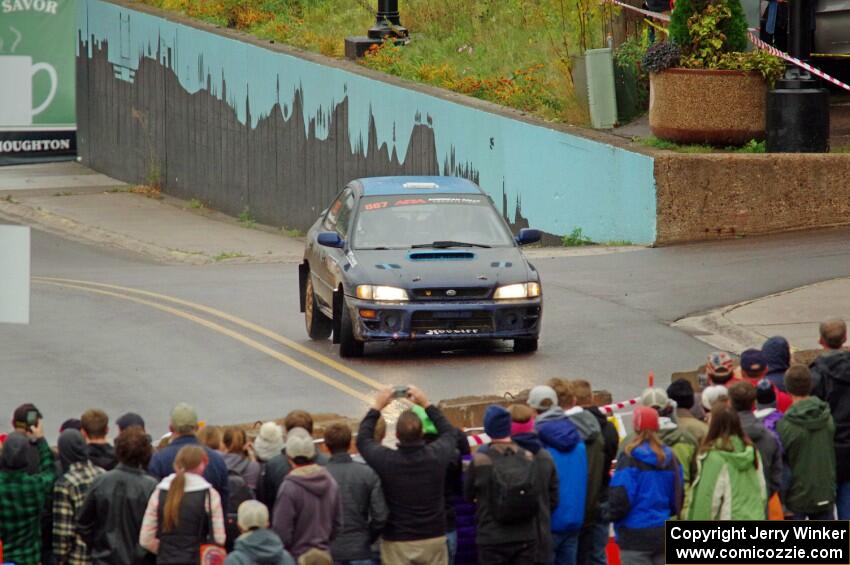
x,y
16,100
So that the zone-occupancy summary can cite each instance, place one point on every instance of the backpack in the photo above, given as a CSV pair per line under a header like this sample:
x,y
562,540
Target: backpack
x,y
238,492
514,488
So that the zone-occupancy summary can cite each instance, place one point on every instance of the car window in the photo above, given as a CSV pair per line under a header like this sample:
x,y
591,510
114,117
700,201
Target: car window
x,y
332,216
343,218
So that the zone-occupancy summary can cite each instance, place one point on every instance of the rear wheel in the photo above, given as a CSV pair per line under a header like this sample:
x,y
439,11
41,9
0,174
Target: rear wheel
x,y
318,325
349,346
525,345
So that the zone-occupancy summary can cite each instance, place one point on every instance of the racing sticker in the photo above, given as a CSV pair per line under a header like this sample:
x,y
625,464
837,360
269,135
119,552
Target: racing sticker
x,y
371,205
462,331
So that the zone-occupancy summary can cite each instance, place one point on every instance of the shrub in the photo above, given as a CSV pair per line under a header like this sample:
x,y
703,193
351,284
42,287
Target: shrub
x,y
661,56
733,28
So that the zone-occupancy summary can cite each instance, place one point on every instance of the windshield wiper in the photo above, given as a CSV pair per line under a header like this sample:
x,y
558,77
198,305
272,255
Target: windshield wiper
x,y
447,244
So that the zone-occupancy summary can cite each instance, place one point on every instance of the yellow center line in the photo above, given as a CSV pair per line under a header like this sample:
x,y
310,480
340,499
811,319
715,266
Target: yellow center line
x,y
332,363
225,331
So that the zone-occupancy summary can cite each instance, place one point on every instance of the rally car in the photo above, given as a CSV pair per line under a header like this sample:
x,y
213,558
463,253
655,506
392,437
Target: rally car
x,y
417,258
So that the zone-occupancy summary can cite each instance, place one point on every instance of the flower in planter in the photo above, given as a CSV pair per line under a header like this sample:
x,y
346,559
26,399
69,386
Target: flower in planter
x,y
660,57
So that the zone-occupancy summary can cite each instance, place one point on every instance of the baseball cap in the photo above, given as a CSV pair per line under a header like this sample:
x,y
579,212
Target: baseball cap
x,y
129,419
252,515
645,418
299,443
753,362
19,417
712,394
719,366
184,416
654,398
540,393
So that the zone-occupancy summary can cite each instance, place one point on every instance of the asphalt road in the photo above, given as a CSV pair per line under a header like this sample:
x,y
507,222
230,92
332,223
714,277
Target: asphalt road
x,y
606,319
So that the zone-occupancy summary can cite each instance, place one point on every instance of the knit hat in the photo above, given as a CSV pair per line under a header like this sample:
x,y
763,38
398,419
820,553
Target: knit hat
x,y
497,422
719,367
428,427
540,393
72,448
183,417
299,443
269,442
129,419
753,362
645,418
252,515
712,394
654,398
682,393
71,424
765,395
522,427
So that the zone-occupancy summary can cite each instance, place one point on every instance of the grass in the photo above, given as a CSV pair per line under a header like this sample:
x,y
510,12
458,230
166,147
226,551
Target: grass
x,y
619,243
225,255
246,218
752,146
196,204
512,52
292,232
844,149
9,199
576,239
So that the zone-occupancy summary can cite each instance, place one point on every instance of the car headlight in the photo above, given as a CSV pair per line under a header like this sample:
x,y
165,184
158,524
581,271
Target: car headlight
x,y
520,290
382,293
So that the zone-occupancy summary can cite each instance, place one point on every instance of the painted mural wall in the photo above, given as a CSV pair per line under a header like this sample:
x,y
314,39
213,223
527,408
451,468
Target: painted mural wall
x,y
238,125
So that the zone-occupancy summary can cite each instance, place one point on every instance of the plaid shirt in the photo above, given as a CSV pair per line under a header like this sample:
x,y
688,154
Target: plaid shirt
x,y
68,496
22,497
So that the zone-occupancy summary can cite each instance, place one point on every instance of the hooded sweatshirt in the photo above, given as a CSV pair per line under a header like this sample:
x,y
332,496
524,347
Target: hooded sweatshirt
x,y
591,432
807,433
244,467
308,510
768,447
832,372
563,441
777,354
730,484
259,547
102,455
644,493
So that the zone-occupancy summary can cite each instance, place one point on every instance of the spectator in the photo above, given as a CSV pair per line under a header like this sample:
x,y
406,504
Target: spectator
x,y
269,442
682,393
777,355
23,495
413,479
720,369
279,466
831,374
646,490
683,444
523,434
591,433
210,436
807,433
238,456
71,424
766,411
743,397
184,426
128,420
184,511
95,426
713,395
308,508
68,495
110,518
364,510
754,369
594,536
257,544
509,486
730,484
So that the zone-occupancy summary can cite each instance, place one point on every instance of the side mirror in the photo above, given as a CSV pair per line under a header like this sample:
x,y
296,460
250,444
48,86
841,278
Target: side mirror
x,y
528,235
330,239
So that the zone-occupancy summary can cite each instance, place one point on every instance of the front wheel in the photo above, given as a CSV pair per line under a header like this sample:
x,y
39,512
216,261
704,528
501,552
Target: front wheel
x,y
349,346
525,345
318,325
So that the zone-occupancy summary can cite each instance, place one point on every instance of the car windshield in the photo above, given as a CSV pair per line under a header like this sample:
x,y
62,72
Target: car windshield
x,y
444,220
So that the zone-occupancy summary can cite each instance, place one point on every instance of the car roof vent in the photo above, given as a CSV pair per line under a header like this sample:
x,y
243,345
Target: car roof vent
x,y
441,256
421,185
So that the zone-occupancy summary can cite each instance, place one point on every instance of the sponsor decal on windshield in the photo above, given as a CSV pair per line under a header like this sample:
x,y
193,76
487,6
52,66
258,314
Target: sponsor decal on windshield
x,y
402,201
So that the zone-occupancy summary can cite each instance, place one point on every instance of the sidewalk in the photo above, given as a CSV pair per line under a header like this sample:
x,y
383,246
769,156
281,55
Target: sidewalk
x,y
73,201
795,315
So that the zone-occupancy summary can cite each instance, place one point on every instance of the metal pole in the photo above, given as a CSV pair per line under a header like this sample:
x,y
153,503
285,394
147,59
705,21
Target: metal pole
x,y
388,10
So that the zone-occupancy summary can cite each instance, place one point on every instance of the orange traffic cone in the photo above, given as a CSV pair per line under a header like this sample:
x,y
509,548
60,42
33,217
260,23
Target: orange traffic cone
x,y
612,550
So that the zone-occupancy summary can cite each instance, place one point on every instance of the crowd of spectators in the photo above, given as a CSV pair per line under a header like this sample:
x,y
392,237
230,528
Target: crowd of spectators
x,y
766,439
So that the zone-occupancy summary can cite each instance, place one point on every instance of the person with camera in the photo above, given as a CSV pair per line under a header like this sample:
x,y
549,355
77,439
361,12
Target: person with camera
x,y
23,494
413,478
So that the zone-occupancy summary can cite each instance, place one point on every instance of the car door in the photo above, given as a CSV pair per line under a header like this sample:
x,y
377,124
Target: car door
x,y
338,219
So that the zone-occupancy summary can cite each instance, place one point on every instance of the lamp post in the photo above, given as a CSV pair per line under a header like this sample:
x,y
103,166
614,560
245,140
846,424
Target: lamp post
x,y
387,26
797,107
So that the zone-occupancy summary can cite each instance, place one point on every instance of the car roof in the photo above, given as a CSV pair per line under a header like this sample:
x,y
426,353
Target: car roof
x,y
388,186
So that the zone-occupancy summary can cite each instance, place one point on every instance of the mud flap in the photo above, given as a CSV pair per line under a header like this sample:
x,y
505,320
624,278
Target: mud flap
x,y
303,273
338,305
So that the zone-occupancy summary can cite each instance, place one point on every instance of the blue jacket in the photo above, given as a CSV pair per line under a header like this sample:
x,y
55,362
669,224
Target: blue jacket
x,y
563,442
644,494
162,465
777,355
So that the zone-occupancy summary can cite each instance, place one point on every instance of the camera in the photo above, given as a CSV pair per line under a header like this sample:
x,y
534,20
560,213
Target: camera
x,y
400,391
32,418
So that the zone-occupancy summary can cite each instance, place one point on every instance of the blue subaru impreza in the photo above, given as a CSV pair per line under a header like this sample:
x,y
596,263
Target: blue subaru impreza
x,y
417,258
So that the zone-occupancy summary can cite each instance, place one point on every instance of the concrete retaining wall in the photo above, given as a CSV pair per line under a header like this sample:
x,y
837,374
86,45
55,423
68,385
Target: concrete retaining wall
x,y
240,123
713,196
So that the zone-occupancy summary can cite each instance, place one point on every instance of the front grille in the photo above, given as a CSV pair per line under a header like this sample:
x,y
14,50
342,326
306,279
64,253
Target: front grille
x,y
469,320
450,293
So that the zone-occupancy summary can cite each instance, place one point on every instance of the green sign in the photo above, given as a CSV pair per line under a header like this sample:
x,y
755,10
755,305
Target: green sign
x,y
37,90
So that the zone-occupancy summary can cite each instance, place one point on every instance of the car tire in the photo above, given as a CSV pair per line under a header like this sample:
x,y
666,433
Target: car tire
x,y
349,346
318,325
525,345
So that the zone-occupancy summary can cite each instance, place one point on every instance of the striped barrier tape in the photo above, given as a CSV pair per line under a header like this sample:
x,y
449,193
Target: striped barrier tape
x,y
610,408
648,13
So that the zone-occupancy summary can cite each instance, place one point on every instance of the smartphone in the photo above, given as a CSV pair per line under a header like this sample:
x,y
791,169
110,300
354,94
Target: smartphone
x,y
32,418
400,391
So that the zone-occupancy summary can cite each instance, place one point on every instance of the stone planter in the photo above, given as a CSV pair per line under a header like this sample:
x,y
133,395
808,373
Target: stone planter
x,y
707,106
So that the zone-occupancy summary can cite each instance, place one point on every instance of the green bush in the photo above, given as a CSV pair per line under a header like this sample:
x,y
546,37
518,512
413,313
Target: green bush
x,y
733,28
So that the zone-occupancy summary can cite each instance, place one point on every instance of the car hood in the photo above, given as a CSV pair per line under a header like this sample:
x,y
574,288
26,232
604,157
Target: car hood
x,y
427,268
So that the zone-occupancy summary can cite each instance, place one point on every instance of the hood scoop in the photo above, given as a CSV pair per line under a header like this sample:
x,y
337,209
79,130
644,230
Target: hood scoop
x,y
440,256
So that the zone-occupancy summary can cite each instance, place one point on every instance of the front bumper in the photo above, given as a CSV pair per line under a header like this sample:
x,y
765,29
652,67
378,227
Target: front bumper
x,y
483,319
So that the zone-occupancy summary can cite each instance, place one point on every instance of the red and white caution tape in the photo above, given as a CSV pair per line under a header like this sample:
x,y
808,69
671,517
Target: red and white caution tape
x,y
794,61
611,408
648,13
